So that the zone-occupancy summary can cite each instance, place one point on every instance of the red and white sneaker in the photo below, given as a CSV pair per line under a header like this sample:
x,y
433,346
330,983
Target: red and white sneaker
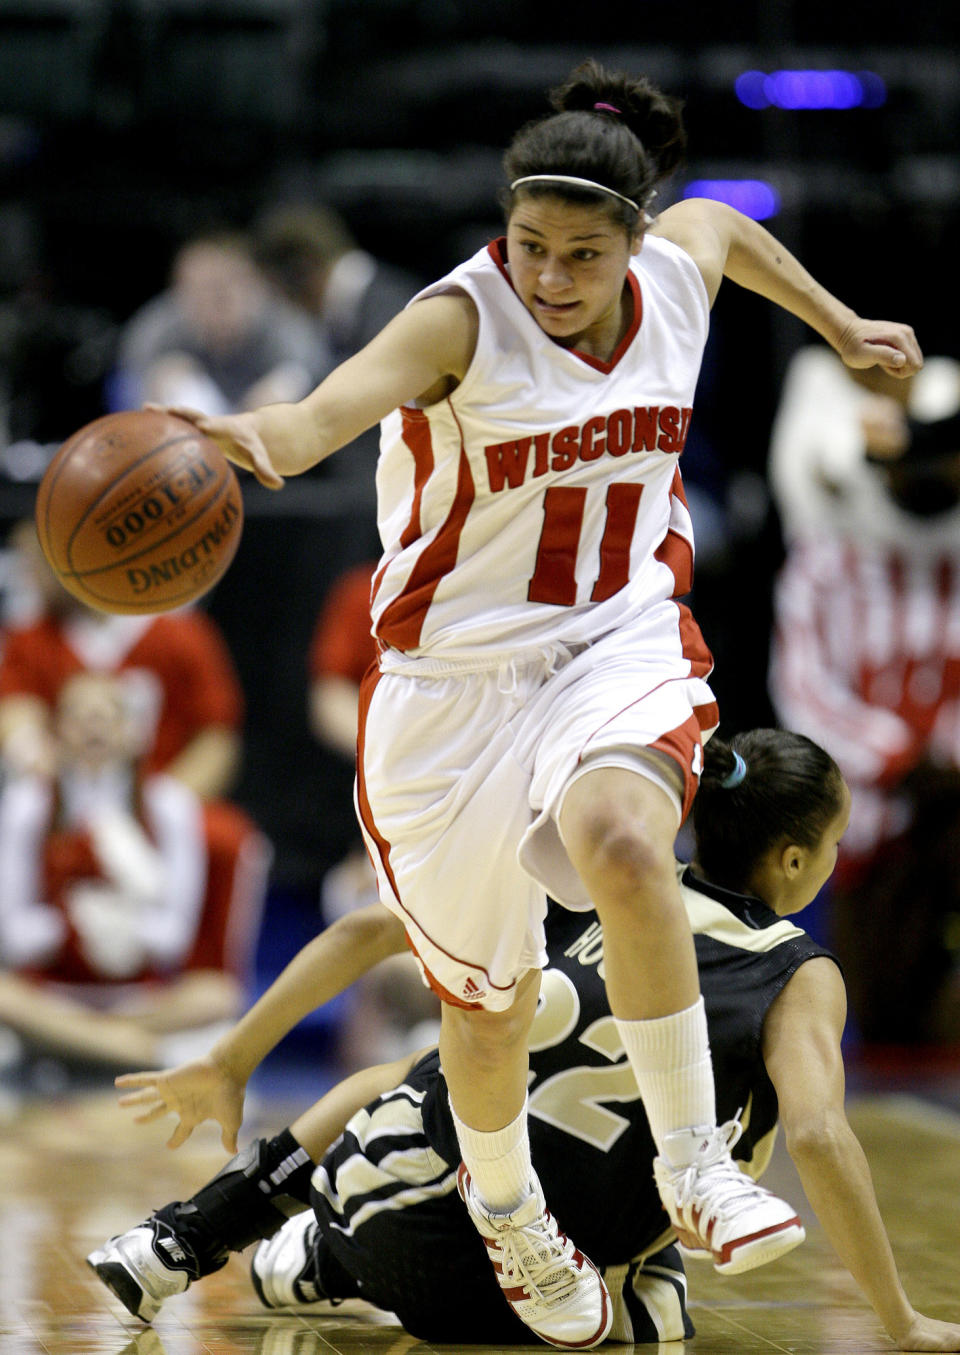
x,y
552,1287
715,1207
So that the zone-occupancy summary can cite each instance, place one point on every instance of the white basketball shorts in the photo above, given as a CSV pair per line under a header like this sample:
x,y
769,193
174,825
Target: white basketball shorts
x,y
462,773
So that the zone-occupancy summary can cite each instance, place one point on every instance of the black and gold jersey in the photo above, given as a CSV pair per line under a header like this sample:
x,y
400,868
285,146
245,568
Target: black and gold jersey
x,y
386,1193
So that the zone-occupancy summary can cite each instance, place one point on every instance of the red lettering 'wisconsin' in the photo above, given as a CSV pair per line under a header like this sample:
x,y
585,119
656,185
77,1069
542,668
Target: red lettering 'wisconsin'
x,y
646,428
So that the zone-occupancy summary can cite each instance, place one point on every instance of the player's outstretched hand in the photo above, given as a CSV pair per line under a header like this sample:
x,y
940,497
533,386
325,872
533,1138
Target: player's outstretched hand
x,y
238,438
194,1092
926,1333
881,343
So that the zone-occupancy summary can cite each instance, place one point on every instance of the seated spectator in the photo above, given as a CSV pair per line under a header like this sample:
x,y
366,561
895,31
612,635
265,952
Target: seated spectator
x,y
114,932
176,667
182,691
310,256
866,661
216,340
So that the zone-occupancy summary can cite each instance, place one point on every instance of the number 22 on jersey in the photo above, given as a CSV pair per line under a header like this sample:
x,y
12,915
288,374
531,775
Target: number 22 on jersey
x,y
571,1100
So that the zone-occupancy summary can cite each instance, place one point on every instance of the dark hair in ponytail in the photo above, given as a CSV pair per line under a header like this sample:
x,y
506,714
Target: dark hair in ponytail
x,y
627,146
785,788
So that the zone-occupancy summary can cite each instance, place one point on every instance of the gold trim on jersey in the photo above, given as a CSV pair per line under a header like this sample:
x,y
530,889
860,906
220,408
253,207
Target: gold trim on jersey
x,y
711,918
759,1160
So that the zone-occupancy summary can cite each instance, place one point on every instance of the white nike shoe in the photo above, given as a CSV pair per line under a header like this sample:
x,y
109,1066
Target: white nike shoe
x,y
283,1268
144,1267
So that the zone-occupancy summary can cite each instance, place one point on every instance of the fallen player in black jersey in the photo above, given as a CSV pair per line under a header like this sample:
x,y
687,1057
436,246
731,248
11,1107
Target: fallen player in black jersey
x,y
377,1158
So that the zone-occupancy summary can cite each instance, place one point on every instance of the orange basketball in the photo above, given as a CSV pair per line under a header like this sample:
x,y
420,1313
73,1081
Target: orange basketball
x,y
139,512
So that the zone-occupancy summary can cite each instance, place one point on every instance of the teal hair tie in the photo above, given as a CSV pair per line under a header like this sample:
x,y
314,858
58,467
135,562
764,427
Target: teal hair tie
x,y
736,776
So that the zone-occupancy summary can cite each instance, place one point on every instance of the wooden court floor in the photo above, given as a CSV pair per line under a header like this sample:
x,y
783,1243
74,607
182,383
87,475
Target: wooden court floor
x,y
73,1172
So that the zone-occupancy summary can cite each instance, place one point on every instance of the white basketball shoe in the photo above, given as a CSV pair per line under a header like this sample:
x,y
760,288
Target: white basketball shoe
x,y
144,1267
283,1270
715,1207
552,1287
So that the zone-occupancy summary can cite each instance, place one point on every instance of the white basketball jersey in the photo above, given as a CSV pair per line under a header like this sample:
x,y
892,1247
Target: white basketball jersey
x,y
541,502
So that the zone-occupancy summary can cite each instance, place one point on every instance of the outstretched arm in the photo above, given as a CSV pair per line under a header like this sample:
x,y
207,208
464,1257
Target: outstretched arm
x,y
725,243
802,1054
212,1088
420,355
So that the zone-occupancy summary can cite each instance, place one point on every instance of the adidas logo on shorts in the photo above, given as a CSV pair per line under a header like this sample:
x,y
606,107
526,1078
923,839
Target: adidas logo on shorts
x,y
471,992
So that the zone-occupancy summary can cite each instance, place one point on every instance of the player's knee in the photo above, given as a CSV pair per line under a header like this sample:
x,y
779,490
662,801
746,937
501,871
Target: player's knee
x,y
490,1037
609,845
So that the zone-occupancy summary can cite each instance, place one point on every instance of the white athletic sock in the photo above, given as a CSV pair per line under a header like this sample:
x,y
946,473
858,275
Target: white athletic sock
x,y
498,1160
670,1057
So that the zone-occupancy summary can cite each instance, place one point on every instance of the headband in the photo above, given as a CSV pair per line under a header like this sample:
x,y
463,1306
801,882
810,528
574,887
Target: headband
x,y
736,776
577,183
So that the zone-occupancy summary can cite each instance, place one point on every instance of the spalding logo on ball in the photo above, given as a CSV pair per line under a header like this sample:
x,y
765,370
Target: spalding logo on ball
x,y
138,512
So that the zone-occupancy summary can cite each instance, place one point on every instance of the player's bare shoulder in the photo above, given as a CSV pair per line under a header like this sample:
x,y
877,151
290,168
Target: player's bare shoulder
x,y
420,355
812,1007
699,227
447,323
451,318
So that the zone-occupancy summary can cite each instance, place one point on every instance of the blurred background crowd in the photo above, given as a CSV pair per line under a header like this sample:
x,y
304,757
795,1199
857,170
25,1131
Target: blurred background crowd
x,y
212,202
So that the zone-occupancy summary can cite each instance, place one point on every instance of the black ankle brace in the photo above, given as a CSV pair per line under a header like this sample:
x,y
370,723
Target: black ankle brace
x,y
248,1200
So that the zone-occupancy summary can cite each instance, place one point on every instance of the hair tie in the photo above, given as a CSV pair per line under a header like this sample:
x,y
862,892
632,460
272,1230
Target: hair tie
x,y
607,108
736,776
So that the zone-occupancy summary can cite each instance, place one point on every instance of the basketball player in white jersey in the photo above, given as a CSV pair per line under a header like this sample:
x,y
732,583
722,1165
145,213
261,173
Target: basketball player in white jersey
x,y
536,720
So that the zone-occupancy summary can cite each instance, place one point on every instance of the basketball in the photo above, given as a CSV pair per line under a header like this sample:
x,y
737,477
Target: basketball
x,y
138,512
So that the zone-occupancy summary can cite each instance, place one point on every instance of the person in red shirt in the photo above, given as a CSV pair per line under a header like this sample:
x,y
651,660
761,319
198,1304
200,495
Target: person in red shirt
x,y
114,930
342,648
176,668
865,659
186,705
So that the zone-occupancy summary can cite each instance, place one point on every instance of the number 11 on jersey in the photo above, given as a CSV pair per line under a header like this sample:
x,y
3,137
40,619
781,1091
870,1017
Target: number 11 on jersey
x,y
555,573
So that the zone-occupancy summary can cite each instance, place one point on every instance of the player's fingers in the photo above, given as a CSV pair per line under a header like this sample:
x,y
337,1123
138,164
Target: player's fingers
x,y
900,365
912,348
901,353
243,447
154,1113
268,477
179,412
893,360
259,462
179,1135
147,1097
883,348
136,1079
229,1140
